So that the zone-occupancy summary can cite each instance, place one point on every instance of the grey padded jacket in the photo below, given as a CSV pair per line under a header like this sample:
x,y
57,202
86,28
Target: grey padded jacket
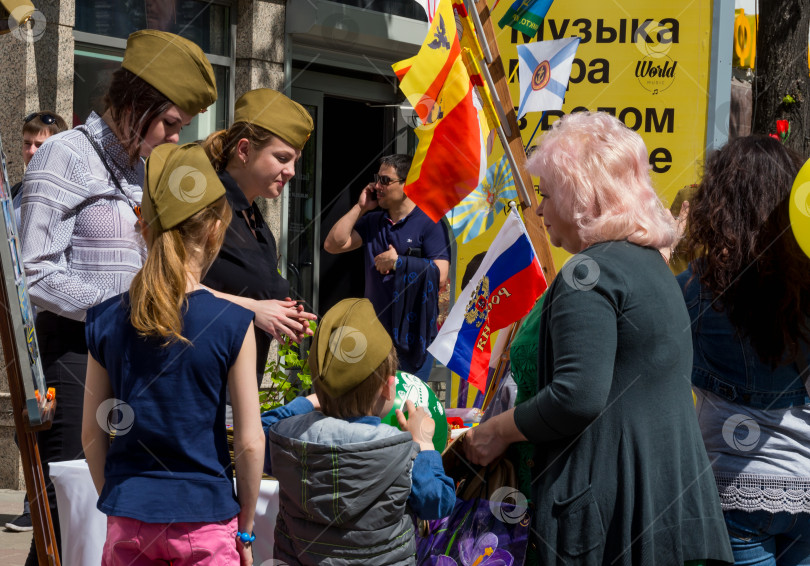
x,y
343,488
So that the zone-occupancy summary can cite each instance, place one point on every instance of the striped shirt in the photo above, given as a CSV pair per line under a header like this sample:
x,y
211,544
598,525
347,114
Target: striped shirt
x,y
80,243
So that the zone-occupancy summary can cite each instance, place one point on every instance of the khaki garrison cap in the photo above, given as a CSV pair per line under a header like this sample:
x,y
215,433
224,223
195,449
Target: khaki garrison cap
x,y
18,10
349,345
175,66
180,182
271,110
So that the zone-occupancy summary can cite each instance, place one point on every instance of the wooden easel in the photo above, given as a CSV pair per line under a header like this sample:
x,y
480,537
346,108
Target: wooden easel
x,y
26,434
33,411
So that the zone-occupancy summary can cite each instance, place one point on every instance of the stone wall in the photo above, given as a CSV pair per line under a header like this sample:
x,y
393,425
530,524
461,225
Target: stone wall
x,y
260,64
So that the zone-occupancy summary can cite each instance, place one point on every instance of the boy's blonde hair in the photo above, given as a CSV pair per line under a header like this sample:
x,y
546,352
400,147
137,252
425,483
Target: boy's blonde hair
x,y
361,400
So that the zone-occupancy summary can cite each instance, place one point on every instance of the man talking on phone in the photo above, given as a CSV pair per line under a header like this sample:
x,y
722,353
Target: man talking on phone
x,y
407,257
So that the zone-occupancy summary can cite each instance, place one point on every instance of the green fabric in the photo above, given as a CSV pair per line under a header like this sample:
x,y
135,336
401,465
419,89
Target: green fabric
x,y
349,345
180,182
276,113
175,66
523,360
620,469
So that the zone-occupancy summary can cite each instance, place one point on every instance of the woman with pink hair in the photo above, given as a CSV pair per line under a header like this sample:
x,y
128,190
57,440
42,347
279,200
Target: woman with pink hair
x,y
620,474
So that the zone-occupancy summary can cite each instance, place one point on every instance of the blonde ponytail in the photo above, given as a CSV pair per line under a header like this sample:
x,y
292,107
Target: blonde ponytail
x,y
158,291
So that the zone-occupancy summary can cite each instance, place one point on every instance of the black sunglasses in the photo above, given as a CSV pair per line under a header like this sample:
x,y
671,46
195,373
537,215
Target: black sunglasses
x,y
46,118
385,180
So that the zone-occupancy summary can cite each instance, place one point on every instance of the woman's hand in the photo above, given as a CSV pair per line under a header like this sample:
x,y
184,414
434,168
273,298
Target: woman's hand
x,y
419,423
487,441
283,318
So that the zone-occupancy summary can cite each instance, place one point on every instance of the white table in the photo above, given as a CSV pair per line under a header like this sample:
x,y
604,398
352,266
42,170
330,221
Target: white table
x,y
84,527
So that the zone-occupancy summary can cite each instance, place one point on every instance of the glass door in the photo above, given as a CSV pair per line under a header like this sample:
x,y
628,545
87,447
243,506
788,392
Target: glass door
x,y
301,237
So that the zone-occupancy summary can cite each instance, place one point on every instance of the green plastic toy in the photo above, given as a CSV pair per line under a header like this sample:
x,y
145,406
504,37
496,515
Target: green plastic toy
x,y
410,387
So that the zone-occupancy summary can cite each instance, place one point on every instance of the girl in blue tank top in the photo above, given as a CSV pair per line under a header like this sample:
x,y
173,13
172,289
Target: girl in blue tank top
x,y
161,357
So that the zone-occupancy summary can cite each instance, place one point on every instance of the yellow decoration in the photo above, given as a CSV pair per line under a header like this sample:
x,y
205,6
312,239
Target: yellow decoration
x,y
799,208
745,39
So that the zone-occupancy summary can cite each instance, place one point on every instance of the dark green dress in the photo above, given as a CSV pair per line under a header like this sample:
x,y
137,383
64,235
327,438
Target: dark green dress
x,y
523,361
621,476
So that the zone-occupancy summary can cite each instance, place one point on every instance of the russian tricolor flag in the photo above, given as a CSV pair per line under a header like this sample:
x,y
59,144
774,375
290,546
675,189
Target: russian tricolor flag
x,y
504,289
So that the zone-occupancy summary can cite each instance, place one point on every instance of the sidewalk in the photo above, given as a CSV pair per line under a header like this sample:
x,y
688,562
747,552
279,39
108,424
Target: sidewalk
x,y
13,546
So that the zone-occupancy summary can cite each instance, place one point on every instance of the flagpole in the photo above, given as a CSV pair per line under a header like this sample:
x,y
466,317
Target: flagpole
x,y
525,199
500,367
540,121
513,148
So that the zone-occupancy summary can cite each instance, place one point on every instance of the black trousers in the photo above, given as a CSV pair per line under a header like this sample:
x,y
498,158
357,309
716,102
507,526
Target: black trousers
x,y
63,352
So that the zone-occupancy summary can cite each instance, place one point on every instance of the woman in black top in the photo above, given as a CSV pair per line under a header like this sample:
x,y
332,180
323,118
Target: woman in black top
x,y
256,157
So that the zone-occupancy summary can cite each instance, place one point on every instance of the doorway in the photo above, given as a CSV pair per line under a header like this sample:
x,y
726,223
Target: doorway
x,y
353,139
357,121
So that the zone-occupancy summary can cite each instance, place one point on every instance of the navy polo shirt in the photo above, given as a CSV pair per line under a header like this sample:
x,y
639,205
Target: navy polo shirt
x,y
414,232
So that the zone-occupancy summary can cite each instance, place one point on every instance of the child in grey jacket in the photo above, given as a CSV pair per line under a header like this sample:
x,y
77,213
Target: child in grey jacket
x,y
345,477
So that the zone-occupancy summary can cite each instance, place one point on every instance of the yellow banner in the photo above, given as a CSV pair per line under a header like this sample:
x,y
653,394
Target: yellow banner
x,y
648,64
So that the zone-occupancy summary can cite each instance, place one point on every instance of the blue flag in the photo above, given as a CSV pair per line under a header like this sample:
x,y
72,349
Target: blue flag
x,y
544,68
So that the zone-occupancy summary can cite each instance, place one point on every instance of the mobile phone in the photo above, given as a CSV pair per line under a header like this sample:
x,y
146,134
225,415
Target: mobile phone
x,y
372,195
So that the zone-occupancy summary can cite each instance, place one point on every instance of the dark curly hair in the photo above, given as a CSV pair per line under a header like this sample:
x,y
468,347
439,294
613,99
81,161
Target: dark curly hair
x,y
134,104
746,254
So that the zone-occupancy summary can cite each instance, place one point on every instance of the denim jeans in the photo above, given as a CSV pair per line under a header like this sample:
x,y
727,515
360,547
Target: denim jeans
x,y
769,539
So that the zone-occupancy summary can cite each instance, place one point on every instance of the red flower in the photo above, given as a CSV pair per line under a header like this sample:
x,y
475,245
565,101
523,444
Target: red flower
x,y
782,127
774,136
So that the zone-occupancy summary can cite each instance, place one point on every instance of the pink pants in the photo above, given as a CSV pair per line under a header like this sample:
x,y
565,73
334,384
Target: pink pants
x,y
134,543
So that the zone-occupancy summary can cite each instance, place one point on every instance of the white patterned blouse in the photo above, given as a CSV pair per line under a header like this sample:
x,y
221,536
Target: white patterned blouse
x,y
79,236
